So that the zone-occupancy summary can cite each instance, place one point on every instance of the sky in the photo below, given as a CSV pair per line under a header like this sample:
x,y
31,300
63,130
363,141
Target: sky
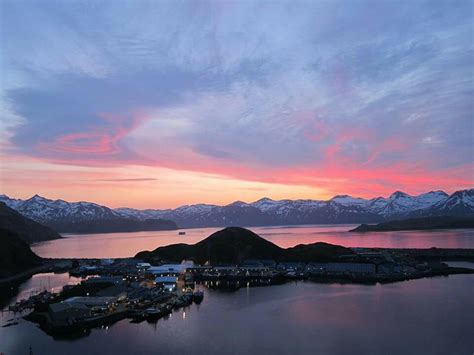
x,y
156,104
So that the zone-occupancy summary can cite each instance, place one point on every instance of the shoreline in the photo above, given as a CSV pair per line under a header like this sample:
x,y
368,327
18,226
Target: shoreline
x,y
138,293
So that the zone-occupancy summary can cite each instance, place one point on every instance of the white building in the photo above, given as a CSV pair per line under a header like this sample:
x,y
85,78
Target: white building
x,y
169,269
168,282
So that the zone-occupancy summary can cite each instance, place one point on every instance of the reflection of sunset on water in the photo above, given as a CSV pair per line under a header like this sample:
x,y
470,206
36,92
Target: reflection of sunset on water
x,y
115,245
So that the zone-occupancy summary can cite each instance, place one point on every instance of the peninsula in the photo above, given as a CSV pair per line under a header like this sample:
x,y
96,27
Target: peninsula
x,y
422,223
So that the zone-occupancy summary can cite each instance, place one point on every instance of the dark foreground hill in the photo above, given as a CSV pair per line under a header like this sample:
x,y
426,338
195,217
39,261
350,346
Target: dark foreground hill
x,y
234,245
15,254
424,223
26,229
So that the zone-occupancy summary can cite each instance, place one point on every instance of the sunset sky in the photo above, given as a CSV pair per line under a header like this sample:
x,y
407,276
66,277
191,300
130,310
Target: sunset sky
x,y
163,103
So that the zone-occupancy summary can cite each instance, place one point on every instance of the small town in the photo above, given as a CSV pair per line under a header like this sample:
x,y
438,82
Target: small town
x,y
116,289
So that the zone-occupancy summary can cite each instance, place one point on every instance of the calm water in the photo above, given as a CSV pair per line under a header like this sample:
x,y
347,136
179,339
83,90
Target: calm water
x,y
426,316
37,283
116,245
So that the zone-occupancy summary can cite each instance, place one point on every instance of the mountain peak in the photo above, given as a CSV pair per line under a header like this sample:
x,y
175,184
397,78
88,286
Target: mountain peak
x,y
341,196
262,201
237,203
398,194
37,197
435,193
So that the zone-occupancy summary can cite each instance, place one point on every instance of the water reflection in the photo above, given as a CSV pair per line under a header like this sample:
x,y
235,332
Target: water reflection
x,y
116,245
430,316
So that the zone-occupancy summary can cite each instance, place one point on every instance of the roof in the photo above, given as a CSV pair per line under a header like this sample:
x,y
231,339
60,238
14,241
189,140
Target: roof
x,y
168,268
113,291
90,301
62,306
166,279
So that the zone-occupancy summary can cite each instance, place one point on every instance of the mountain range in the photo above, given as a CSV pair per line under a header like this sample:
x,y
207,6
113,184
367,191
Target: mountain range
x,y
82,217
90,217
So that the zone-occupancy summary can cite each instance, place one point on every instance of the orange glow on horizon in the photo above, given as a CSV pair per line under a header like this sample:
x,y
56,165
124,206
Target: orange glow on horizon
x,y
158,187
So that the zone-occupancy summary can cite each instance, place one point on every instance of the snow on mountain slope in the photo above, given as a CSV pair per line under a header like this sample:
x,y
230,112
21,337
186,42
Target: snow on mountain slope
x,y
346,200
460,202
339,209
41,209
400,202
10,202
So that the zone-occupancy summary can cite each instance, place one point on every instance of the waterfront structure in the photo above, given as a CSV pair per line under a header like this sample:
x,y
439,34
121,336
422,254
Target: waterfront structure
x,y
96,303
67,312
169,269
339,268
115,280
168,282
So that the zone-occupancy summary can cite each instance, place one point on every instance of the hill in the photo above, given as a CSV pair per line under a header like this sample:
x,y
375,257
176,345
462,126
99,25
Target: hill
x,y
26,229
233,245
423,223
15,254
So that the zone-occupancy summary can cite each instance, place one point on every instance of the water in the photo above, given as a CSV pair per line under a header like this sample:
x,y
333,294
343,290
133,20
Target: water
x,y
46,281
426,316
115,245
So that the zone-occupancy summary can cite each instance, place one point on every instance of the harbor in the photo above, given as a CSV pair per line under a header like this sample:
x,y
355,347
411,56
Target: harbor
x,y
112,290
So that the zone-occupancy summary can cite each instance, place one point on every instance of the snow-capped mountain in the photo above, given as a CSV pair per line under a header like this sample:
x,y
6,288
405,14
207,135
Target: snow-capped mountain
x,y
81,217
459,203
44,210
339,209
401,203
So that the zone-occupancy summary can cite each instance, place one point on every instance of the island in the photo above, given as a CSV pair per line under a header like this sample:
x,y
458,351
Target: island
x,y
422,223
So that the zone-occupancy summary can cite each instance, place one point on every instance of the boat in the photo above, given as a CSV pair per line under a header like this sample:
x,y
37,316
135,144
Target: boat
x,y
153,313
188,297
198,296
181,233
179,302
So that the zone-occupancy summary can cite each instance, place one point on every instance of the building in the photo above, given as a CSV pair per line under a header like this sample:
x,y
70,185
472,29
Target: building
x,y
143,266
117,291
94,303
114,280
68,312
168,282
354,268
169,269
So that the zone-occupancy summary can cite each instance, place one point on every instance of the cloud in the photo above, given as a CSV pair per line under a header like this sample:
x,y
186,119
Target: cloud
x,y
371,95
127,179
